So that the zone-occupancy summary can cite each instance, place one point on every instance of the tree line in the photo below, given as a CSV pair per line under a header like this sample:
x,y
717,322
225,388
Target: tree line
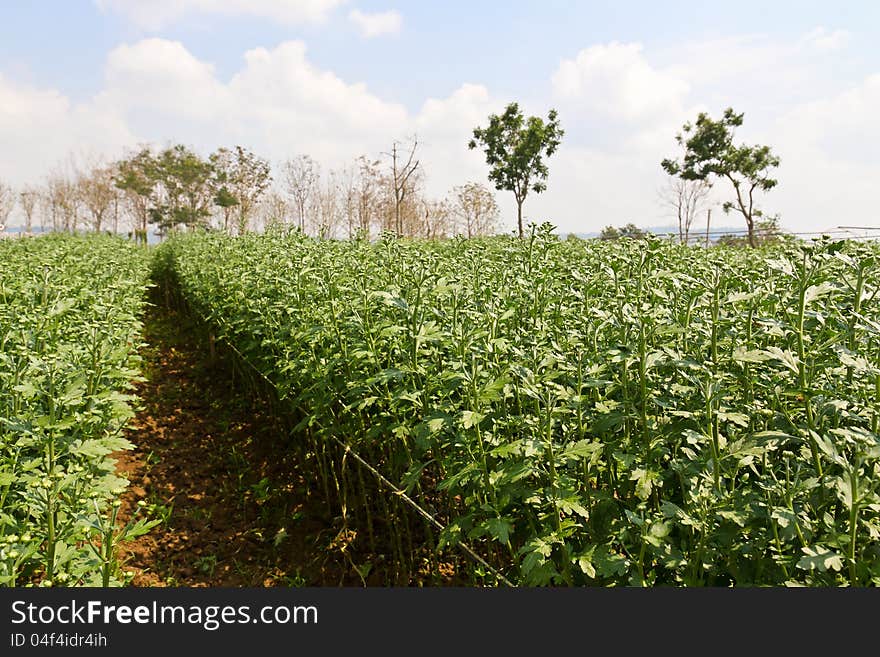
x,y
236,190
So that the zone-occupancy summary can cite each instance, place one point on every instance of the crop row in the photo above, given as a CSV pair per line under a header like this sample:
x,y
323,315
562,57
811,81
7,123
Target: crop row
x,y
69,328
626,413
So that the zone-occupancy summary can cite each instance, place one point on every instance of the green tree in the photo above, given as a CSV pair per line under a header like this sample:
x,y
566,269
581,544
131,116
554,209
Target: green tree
x,y
170,188
515,149
629,231
710,151
226,201
240,178
185,179
136,177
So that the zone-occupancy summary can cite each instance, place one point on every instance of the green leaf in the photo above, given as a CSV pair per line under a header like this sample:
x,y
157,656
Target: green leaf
x,y
582,449
572,505
820,558
645,481
470,419
500,529
787,358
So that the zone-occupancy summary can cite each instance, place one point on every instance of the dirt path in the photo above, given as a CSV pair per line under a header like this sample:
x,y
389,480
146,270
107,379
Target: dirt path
x,y
207,463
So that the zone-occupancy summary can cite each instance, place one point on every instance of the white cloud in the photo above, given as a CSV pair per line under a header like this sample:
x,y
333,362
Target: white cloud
x,y
278,103
759,74
154,14
376,24
40,127
829,170
162,76
616,80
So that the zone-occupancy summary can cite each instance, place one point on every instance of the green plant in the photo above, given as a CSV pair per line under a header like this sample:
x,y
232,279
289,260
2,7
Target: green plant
x,y
621,412
69,331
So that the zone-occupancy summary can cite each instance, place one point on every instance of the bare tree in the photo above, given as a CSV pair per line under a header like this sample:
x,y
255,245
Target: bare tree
x,y
97,192
28,198
301,175
274,209
327,206
48,206
7,203
436,218
403,166
412,217
475,205
116,209
686,198
347,179
368,191
62,200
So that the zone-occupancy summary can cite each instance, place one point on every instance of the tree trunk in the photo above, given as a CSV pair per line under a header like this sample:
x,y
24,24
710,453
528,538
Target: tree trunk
x,y
708,221
681,232
751,225
519,204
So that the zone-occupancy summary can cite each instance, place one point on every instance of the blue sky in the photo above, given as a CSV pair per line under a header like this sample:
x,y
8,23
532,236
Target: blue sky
x,y
95,76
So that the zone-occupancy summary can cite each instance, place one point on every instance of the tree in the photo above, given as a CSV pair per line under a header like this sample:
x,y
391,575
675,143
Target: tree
x,y
368,194
475,205
327,210
171,188
7,203
710,151
402,180
185,180
348,198
301,175
275,210
629,231
28,198
436,218
240,178
515,149
136,177
686,198
226,201
97,192
62,200
48,206
222,165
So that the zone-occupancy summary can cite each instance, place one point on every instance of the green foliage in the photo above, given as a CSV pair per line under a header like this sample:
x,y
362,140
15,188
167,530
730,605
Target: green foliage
x,y
176,187
629,231
515,149
239,178
225,199
625,412
69,328
710,151
185,179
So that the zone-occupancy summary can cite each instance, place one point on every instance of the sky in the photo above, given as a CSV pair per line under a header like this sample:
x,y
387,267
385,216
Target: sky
x,y
335,79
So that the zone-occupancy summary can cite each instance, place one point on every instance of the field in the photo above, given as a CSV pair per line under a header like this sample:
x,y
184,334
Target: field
x,y
69,333
533,412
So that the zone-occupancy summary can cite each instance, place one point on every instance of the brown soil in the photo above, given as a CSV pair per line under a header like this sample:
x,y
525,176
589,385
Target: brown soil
x,y
235,507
